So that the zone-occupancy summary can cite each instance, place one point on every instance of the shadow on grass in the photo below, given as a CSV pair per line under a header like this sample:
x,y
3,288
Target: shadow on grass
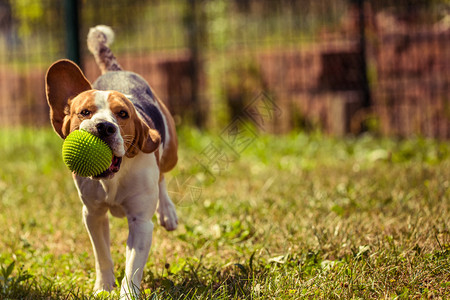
x,y
233,282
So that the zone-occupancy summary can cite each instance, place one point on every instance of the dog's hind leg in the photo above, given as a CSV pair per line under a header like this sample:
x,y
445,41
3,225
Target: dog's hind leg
x,y
167,214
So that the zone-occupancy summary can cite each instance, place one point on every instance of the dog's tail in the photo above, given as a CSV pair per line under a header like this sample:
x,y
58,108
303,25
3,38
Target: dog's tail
x,y
98,40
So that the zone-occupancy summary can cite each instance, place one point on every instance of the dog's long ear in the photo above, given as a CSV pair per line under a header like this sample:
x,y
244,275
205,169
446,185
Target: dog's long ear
x,y
64,81
146,139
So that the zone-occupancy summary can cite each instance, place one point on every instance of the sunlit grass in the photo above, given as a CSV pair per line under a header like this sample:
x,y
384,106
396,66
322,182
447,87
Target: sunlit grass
x,y
290,216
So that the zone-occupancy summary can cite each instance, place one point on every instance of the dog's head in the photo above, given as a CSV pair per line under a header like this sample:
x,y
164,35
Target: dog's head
x,y
109,115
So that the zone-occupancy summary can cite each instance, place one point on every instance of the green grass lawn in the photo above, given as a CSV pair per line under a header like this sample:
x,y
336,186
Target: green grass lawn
x,y
287,217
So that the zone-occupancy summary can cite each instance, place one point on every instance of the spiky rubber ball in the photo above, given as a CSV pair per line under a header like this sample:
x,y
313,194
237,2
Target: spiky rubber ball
x,y
86,154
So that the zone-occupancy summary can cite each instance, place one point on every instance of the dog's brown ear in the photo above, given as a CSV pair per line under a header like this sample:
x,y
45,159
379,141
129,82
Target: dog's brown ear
x,y
64,81
146,139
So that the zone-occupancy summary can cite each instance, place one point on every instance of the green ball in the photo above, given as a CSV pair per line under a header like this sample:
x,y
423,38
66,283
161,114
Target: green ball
x,y
85,154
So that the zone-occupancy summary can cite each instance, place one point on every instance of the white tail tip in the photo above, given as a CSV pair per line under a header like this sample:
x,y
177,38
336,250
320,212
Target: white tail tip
x,y
106,30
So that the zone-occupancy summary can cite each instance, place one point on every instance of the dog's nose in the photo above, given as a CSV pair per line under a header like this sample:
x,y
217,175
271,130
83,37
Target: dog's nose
x,y
106,129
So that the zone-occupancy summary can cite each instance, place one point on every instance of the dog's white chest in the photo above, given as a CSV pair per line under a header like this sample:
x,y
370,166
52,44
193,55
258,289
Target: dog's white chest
x,y
135,176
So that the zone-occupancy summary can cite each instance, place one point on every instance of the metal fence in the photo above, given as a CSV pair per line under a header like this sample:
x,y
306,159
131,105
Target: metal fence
x,y
339,65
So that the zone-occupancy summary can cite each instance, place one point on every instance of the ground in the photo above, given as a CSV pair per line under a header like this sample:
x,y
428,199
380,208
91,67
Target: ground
x,y
301,215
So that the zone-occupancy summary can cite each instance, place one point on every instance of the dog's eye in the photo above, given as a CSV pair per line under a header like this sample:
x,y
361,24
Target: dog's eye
x,y
123,114
85,113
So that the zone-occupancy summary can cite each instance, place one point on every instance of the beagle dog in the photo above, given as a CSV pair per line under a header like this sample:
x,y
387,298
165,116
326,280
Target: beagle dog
x,y
121,109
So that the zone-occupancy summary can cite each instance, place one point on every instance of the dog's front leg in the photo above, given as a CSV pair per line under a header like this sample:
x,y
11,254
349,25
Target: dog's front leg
x,y
97,225
138,247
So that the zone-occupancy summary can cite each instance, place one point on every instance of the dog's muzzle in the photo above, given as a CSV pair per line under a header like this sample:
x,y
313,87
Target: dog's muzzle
x,y
107,132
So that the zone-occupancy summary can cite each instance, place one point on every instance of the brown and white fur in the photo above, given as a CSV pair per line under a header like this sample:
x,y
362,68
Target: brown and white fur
x,y
120,108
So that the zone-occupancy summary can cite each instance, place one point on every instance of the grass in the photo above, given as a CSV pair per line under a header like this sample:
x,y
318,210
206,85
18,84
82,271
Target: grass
x,y
297,216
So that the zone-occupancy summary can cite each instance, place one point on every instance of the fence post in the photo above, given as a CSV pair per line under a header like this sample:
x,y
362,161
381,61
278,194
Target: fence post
x,y
367,101
71,12
195,28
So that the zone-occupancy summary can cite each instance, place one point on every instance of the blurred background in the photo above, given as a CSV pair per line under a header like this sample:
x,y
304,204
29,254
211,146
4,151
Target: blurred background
x,y
339,66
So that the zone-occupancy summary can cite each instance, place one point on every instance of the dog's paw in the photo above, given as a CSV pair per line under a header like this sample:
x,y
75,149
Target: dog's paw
x,y
105,284
167,215
129,290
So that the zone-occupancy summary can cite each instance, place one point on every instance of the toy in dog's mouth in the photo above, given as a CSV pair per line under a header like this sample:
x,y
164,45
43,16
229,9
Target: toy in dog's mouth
x,y
113,169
